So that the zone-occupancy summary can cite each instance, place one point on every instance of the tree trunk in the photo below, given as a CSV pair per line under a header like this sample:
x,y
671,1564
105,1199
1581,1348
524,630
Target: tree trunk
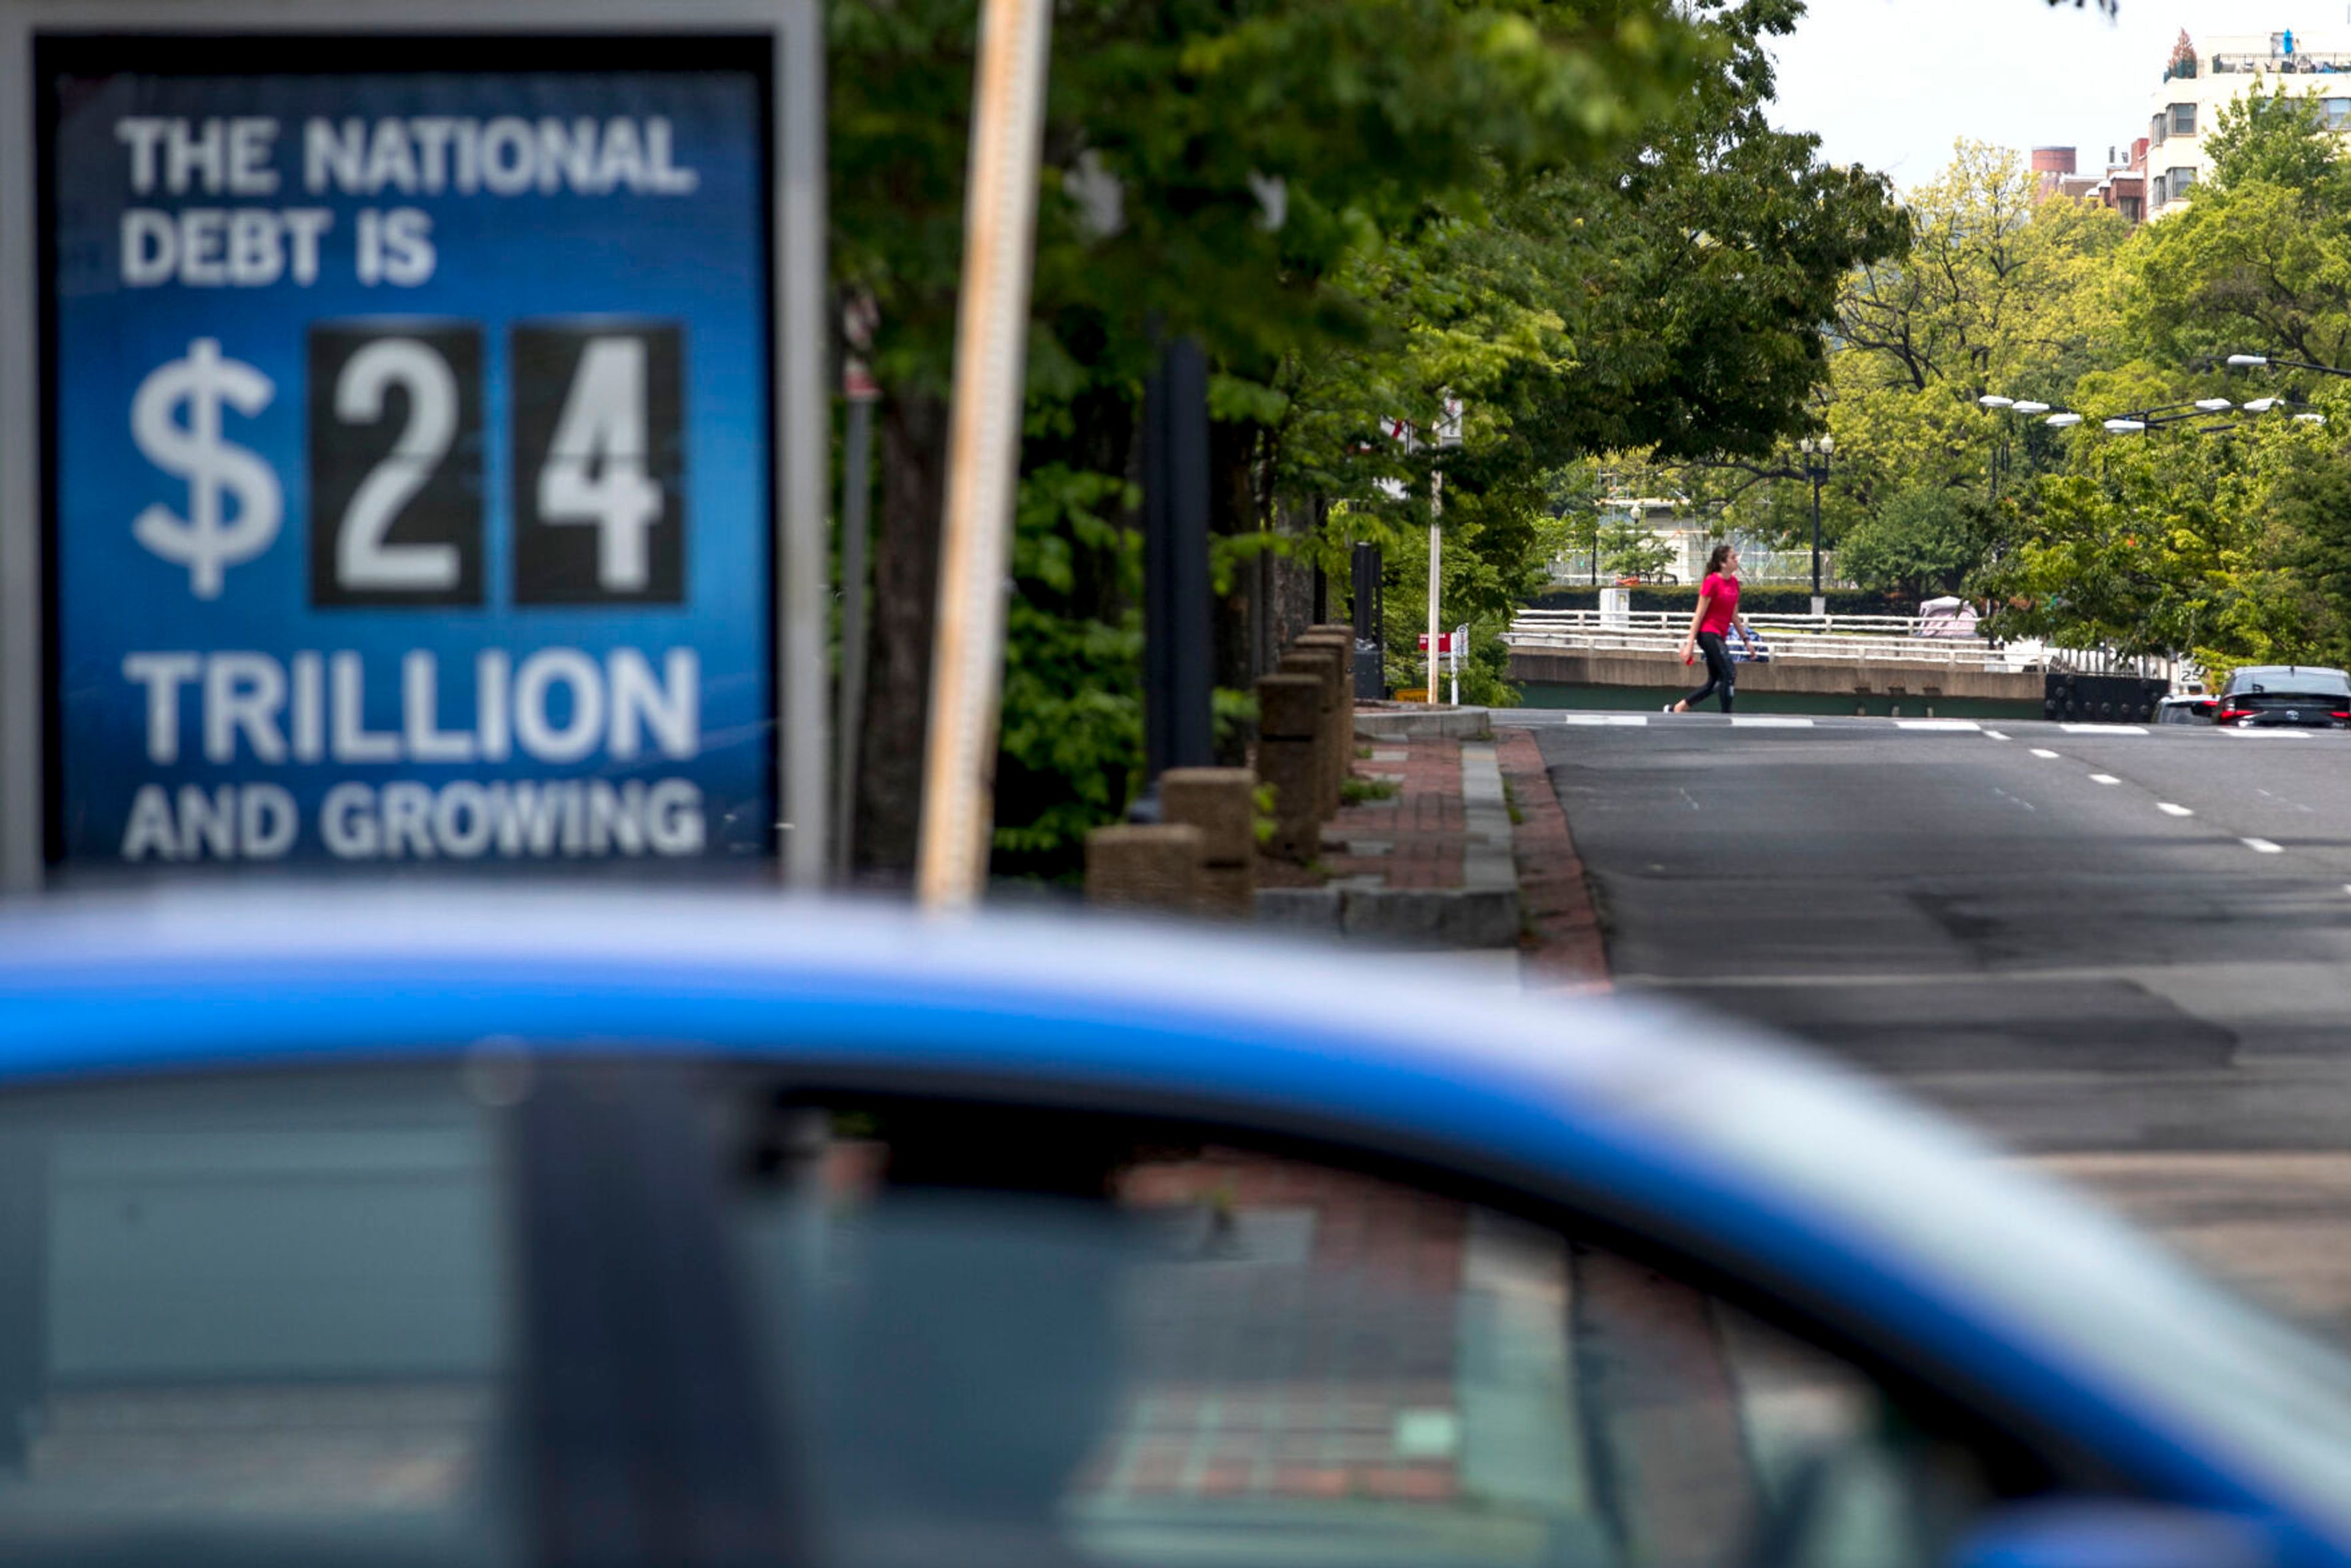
x,y
913,429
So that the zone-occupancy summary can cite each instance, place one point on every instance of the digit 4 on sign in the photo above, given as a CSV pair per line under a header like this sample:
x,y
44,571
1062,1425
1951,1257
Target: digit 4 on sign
x,y
599,462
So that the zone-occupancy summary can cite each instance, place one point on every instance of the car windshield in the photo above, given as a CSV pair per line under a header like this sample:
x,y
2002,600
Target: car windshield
x,y
2310,694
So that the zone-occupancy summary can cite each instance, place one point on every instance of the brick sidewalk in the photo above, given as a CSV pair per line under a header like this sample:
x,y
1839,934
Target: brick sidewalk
x,y
1417,836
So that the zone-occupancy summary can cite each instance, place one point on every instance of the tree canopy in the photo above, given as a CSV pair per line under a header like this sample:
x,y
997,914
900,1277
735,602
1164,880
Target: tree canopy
x,y
1574,217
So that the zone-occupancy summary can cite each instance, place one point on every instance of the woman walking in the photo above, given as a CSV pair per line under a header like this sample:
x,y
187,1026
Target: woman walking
x,y
1717,612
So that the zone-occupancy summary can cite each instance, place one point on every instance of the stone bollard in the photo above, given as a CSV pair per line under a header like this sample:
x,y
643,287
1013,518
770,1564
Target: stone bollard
x,y
1289,757
1339,635
1221,802
1322,663
1342,640
1155,867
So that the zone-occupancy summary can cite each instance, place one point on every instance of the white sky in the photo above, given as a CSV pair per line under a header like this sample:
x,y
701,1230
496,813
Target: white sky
x,y
1891,83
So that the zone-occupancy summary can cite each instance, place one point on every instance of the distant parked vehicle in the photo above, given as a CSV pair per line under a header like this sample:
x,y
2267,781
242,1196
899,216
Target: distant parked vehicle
x,y
2197,709
2285,696
1947,617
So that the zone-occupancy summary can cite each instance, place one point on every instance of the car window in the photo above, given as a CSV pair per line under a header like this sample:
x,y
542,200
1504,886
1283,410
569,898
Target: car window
x,y
1143,1357
252,1323
2289,697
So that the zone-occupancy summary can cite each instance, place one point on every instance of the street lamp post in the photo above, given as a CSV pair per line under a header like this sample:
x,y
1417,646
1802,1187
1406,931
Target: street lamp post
x,y
2264,361
1999,452
1817,452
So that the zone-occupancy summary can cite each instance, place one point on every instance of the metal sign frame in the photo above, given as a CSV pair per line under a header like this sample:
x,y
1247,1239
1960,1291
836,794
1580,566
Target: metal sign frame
x,y
796,322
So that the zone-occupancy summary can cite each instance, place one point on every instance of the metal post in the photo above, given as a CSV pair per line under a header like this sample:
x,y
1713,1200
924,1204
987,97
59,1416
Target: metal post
x,y
802,416
983,451
1178,704
1371,629
1435,571
856,535
1816,469
1817,476
21,610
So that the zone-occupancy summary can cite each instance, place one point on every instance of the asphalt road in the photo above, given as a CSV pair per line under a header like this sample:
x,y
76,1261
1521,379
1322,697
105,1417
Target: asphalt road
x,y
2125,954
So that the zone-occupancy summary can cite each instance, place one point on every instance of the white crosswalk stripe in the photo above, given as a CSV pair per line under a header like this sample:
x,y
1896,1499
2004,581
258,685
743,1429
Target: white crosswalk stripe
x,y
1968,724
1767,721
2101,730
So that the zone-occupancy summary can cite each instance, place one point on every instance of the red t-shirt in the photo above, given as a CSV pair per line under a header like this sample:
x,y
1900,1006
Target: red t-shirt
x,y
1722,602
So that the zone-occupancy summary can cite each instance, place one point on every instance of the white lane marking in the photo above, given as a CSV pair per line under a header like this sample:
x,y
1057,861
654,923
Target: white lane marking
x,y
2264,847
1995,735
2104,778
2039,751
2169,810
2101,730
1634,719
1968,725
2268,734
1766,721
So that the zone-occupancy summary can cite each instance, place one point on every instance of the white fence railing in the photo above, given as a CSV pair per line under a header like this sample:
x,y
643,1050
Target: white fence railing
x,y
1933,641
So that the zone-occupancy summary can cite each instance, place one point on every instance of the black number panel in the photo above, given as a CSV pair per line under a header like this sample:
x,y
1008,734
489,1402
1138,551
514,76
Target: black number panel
x,y
395,420
599,462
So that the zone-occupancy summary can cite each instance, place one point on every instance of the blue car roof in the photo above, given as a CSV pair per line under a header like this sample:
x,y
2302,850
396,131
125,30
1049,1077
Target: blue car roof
x,y
1799,1173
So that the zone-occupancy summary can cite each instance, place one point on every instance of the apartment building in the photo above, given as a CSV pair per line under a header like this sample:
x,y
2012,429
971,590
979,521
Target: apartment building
x,y
2199,83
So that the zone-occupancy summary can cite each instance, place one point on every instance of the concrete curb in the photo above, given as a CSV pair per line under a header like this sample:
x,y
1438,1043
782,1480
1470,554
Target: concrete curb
x,y
1424,724
1481,913
1450,917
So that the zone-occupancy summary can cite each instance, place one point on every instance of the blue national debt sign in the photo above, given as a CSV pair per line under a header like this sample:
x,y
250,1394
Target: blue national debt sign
x,y
409,413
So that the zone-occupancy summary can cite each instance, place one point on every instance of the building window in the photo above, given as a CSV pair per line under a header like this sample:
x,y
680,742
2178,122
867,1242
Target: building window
x,y
2338,114
2128,207
2180,181
2154,130
2158,192
2183,119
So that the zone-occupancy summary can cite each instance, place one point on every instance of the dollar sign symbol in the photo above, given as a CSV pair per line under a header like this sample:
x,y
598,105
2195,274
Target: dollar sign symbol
x,y
206,541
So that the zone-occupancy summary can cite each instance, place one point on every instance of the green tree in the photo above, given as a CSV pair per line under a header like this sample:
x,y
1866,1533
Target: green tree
x,y
1573,214
1210,166
1922,543
2261,259
2166,544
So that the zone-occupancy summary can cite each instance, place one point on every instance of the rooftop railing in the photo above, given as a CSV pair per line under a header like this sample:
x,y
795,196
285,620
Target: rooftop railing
x,y
2325,62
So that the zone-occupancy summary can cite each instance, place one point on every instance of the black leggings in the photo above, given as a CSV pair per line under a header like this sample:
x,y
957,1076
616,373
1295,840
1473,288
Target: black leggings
x,y
1720,674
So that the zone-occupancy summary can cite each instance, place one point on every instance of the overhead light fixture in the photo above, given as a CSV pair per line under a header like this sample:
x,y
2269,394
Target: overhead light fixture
x,y
2064,420
1993,400
2310,419
2032,408
2125,426
2248,362
2262,404
2214,404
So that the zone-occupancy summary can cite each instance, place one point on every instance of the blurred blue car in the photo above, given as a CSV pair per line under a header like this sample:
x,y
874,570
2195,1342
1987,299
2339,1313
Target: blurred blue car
x,y
401,1228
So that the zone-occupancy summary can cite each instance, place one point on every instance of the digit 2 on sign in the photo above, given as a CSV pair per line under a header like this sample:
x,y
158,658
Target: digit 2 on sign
x,y
395,415
599,462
